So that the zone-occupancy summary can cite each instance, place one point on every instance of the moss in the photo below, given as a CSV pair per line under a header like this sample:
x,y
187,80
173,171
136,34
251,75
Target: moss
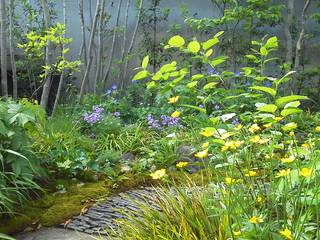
x,y
52,210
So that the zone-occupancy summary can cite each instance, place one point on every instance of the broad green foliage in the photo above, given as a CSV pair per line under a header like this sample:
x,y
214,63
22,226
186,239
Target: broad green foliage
x,y
18,165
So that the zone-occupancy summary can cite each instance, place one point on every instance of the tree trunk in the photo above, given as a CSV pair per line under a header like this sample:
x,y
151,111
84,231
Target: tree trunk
x,y
304,19
49,56
61,82
100,51
90,48
83,48
3,46
124,41
12,50
106,75
287,30
132,41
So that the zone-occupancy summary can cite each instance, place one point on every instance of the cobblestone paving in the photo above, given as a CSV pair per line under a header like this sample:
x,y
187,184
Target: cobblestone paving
x,y
107,214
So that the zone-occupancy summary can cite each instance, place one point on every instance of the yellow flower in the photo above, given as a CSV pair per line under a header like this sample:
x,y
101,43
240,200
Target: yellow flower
x,y
202,154
176,114
182,164
205,145
264,141
225,135
267,125
305,145
283,172
251,174
231,145
236,233
291,133
158,174
254,128
259,199
238,127
288,159
306,172
229,180
318,128
286,233
173,99
278,119
256,220
255,139
267,157
207,132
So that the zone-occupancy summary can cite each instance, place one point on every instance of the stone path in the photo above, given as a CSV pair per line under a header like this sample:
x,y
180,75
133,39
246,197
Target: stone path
x,y
105,217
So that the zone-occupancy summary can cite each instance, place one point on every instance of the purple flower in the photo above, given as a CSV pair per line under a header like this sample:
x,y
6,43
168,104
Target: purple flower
x,y
114,87
108,92
235,121
248,84
117,114
237,74
267,84
200,106
95,116
211,71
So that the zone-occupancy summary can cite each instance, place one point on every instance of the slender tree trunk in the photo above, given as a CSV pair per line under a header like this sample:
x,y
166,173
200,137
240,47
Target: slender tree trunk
x,y
90,48
100,51
61,82
287,30
304,19
49,56
12,50
124,41
133,39
83,48
106,75
3,46
154,35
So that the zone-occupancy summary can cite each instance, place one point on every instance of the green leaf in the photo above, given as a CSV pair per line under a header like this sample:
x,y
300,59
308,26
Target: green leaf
x,y
271,91
141,75
285,78
192,84
263,51
270,108
210,43
210,85
272,42
194,107
176,41
197,77
209,53
145,62
252,57
293,104
289,111
218,34
151,84
194,47
5,237
218,61
280,102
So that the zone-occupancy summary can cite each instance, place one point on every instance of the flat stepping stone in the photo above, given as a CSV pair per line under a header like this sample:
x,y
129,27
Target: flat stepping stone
x,y
108,214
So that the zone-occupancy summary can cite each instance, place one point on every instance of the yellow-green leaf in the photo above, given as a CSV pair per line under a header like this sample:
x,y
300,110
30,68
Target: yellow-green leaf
x,y
194,47
210,43
271,91
145,62
141,75
176,41
271,108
